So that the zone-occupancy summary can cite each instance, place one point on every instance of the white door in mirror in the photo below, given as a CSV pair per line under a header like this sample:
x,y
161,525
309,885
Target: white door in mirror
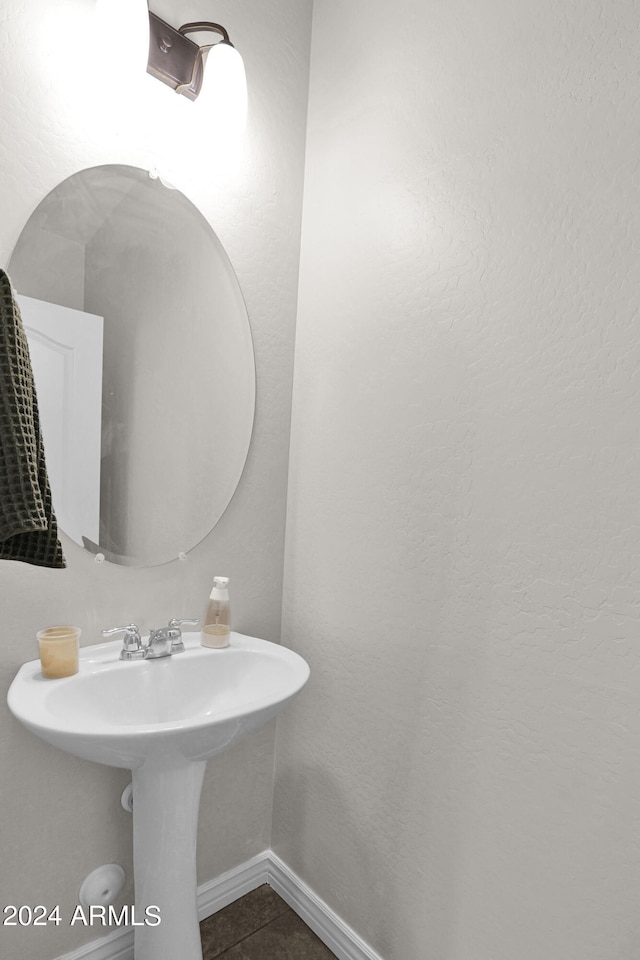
x,y
65,347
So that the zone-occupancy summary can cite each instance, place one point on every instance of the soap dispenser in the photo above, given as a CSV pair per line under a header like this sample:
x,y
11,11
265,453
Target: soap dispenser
x,y
217,624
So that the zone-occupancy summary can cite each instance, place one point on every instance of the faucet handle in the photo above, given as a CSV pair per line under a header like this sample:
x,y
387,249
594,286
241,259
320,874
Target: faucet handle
x,y
132,646
177,645
131,630
178,623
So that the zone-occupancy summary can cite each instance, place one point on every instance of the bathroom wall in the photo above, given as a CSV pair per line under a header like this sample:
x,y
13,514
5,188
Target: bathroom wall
x,y
61,818
460,779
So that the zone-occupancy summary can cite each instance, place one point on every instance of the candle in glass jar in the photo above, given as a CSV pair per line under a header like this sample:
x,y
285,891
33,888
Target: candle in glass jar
x,y
59,648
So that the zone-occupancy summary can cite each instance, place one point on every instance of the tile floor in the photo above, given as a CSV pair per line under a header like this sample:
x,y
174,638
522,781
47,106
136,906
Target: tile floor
x,y
260,926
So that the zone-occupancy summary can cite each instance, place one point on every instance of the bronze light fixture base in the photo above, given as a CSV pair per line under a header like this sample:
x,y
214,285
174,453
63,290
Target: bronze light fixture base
x,y
175,59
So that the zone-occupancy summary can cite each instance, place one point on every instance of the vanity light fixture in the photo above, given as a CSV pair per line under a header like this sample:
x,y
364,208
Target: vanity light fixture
x,y
180,62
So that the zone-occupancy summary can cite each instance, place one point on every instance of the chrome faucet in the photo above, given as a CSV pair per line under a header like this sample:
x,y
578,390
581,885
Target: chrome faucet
x,y
163,642
160,643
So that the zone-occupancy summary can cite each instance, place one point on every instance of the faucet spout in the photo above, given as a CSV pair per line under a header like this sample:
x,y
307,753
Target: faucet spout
x,y
160,643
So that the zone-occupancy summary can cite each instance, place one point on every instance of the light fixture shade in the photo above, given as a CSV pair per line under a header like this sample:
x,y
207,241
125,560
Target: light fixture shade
x,y
122,40
223,97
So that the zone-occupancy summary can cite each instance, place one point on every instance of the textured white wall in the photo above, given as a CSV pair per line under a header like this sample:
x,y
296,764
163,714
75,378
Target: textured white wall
x,y
460,779
60,817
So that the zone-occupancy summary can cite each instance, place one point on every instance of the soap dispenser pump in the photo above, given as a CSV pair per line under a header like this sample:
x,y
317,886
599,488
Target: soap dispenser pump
x,y
217,623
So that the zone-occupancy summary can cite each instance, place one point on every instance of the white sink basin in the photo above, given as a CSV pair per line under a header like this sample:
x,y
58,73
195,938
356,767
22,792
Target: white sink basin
x,y
193,704
162,719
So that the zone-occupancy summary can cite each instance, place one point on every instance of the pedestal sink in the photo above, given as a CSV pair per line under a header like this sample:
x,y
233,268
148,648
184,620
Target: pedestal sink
x,y
162,719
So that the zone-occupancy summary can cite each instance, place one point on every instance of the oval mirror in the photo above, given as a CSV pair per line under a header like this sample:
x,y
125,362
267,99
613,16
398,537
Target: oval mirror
x,y
143,361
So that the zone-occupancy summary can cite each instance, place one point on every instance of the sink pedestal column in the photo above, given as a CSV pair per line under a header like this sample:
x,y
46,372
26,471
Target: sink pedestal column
x,y
166,801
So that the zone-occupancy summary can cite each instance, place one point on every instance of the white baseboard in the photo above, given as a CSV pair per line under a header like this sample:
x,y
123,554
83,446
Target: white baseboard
x,y
230,886
268,868
332,930
115,946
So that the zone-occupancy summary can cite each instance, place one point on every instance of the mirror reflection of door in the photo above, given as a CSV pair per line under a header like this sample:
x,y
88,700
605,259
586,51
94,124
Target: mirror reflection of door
x,y
65,346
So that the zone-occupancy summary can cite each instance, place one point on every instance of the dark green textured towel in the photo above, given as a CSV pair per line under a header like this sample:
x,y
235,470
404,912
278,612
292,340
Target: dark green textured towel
x,y
28,528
